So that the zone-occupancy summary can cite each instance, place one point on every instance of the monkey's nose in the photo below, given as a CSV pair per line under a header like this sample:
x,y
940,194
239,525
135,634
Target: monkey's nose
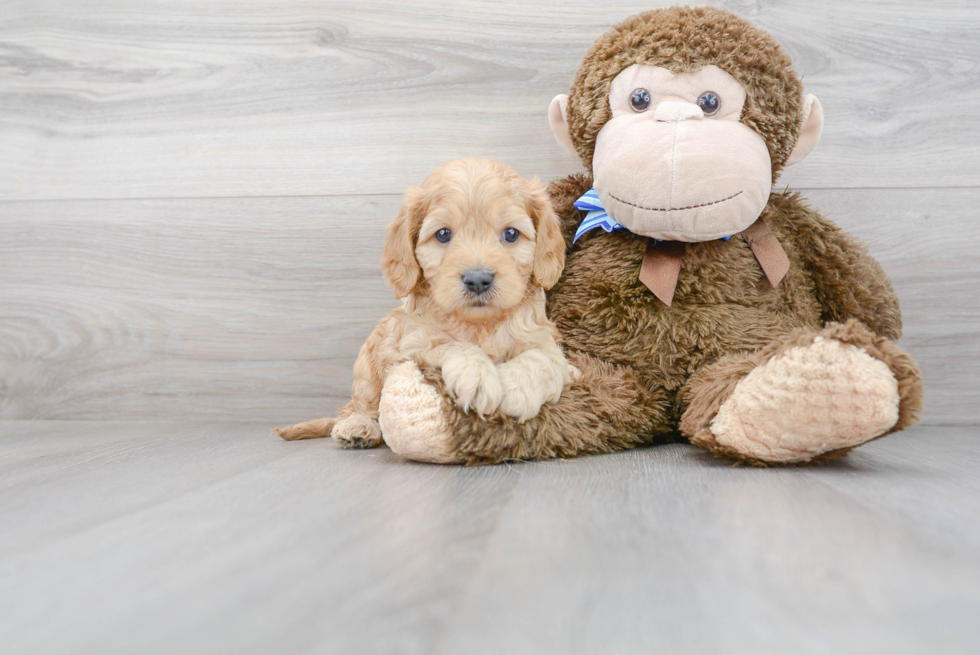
x,y
670,111
478,280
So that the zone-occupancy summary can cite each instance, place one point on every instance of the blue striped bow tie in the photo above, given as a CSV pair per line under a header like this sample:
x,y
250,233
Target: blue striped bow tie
x,y
661,265
597,216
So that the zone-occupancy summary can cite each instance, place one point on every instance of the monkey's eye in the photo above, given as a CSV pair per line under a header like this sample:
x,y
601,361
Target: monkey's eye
x,y
709,102
445,235
640,100
510,235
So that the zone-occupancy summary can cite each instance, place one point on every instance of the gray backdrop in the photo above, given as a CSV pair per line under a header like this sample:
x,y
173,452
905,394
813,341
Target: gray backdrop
x,y
193,195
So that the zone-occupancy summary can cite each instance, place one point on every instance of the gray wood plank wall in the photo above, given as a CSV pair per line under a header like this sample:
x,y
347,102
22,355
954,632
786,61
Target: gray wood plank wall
x,y
193,194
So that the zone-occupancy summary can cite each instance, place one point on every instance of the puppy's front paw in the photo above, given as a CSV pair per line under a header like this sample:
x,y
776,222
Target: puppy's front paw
x,y
524,393
522,404
357,431
530,380
473,381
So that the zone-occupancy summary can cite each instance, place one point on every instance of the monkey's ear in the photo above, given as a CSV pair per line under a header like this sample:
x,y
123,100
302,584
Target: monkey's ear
x,y
556,116
398,264
549,249
810,133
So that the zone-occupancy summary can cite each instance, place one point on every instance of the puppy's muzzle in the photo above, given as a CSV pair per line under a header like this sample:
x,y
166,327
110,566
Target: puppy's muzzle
x,y
478,280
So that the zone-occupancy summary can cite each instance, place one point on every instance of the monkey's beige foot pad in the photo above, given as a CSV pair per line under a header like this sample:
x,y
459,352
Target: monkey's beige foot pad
x,y
412,418
808,400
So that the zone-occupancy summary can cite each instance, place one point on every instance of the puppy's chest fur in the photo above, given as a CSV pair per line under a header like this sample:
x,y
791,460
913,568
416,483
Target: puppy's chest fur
x,y
723,303
411,331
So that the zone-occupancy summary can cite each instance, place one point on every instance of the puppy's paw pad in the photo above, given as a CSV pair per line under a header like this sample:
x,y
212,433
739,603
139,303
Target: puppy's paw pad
x,y
807,401
357,431
413,418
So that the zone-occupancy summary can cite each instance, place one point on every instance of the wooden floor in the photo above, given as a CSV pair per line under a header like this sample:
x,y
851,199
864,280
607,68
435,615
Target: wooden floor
x,y
219,538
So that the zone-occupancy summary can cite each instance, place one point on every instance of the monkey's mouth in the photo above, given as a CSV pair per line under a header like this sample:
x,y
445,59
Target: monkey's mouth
x,y
674,209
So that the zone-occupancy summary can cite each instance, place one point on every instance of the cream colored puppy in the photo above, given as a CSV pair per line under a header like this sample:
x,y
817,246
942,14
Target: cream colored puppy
x,y
470,254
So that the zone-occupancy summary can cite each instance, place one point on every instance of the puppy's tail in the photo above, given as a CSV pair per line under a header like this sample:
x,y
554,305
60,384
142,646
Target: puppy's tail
x,y
317,429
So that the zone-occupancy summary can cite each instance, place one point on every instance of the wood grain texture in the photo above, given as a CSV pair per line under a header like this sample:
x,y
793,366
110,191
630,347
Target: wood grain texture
x,y
225,99
202,538
197,308
254,309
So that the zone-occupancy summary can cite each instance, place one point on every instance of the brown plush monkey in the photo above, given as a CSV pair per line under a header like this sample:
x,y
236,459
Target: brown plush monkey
x,y
700,305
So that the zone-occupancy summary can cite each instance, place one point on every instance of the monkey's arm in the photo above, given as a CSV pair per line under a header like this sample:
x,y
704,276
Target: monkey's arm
x,y
605,409
563,193
849,282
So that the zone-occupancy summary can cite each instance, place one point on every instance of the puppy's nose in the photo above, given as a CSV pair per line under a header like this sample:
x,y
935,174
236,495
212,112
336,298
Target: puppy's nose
x,y
478,280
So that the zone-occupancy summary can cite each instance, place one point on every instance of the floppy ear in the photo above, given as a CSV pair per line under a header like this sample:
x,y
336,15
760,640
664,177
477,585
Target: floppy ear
x,y
398,264
549,250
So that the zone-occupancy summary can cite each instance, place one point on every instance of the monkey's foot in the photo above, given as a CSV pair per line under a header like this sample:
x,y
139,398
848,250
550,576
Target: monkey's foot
x,y
807,401
413,419
809,397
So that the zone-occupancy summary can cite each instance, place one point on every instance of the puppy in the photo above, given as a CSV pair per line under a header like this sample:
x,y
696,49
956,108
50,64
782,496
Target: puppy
x,y
470,254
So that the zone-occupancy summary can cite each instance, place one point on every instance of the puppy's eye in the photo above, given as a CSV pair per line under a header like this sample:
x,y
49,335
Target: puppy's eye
x,y
640,100
709,102
510,235
445,235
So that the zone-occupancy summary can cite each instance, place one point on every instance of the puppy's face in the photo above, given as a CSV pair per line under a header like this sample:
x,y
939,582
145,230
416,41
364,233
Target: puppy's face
x,y
476,248
483,238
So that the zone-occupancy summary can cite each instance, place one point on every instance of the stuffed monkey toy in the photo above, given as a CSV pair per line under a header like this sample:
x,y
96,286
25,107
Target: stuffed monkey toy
x,y
698,304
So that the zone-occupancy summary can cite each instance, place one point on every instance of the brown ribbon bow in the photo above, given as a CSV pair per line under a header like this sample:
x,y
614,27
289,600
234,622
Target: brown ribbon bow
x,y
662,261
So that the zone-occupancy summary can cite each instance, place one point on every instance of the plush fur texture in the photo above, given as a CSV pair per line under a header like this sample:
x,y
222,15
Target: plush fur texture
x,y
683,39
851,398
412,417
712,386
653,373
645,366
496,350
596,414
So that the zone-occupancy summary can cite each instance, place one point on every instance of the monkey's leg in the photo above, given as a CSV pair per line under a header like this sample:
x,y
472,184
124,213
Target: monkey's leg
x,y
605,410
807,397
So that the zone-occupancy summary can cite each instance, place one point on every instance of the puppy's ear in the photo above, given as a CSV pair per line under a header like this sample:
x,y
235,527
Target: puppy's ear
x,y
398,264
549,252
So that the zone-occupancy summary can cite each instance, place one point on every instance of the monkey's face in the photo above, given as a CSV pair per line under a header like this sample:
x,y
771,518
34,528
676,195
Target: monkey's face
x,y
674,162
687,156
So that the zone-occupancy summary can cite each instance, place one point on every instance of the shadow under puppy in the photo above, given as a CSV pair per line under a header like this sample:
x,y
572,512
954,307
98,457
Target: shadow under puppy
x,y
470,254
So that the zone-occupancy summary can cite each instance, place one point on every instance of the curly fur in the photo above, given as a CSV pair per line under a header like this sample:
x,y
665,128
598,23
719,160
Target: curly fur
x,y
683,39
496,350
